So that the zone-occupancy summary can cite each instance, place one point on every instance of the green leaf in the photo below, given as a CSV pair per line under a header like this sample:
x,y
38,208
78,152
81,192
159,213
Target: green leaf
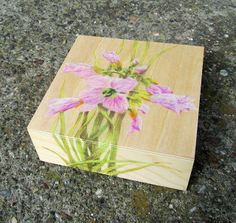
x,y
88,116
96,63
132,169
75,164
102,163
121,46
113,168
62,123
60,144
99,132
135,102
74,148
62,158
134,50
62,91
144,54
97,153
80,148
76,124
98,69
54,128
104,113
157,55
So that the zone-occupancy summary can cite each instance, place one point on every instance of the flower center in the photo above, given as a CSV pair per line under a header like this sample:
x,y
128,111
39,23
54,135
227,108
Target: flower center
x,y
108,92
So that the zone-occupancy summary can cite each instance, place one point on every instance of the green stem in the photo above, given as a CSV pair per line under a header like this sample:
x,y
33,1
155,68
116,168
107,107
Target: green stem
x,y
116,134
96,127
62,137
74,127
99,150
83,135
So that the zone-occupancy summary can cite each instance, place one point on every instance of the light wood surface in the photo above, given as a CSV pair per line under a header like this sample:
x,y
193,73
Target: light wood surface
x,y
165,135
175,176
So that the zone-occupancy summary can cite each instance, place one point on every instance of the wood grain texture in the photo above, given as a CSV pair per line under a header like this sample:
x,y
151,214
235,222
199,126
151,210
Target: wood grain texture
x,y
175,176
165,135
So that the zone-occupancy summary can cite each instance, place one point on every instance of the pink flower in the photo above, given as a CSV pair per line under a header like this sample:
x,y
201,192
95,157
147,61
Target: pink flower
x,y
108,91
144,108
62,104
173,102
82,70
141,69
111,56
86,107
157,89
136,124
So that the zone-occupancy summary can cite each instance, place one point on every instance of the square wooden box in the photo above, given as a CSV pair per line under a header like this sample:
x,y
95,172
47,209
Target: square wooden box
x,y
124,108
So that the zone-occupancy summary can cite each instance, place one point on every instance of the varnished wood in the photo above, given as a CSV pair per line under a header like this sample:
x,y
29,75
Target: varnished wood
x,y
165,136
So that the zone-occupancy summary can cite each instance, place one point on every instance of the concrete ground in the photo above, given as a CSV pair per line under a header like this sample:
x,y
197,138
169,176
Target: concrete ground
x,y
34,38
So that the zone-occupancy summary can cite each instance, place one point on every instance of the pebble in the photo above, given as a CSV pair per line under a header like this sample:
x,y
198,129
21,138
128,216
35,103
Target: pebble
x,y
99,193
234,166
202,189
57,216
192,209
223,73
5,193
171,206
13,220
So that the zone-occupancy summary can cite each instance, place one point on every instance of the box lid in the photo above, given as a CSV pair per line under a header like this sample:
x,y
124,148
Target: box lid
x,y
150,89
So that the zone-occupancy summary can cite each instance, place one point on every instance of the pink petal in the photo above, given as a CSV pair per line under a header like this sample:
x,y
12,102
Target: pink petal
x,y
157,89
123,85
111,56
136,124
98,81
87,107
118,103
144,108
62,104
173,102
141,69
82,70
93,96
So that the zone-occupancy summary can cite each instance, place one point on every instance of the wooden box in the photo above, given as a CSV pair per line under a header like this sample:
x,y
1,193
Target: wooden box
x,y
123,108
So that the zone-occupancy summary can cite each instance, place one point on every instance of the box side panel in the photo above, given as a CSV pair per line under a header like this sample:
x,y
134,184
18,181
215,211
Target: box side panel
x,y
42,144
142,166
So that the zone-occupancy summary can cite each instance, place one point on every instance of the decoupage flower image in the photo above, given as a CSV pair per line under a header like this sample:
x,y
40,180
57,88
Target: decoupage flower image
x,y
110,94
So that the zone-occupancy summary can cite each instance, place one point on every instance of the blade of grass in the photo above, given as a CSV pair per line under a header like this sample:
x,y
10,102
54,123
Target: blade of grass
x,y
157,55
132,169
71,145
76,124
134,49
62,158
121,46
54,128
102,162
86,120
62,137
116,133
98,152
63,127
99,132
113,168
80,149
105,114
145,51
112,161
97,123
